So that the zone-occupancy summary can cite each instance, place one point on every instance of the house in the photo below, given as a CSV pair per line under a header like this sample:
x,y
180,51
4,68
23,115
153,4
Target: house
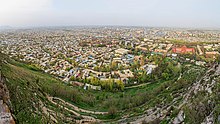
x,y
148,68
117,60
183,49
156,53
143,47
124,73
212,54
174,56
200,63
129,58
121,51
169,46
89,86
208,46
75,83
160,51
199,50
137,58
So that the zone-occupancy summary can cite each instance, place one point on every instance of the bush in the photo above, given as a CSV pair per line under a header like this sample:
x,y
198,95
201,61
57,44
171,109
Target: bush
x,y
112,111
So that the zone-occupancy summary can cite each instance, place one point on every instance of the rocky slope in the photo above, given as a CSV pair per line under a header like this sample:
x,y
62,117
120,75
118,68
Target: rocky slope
x,y
200,104
5,104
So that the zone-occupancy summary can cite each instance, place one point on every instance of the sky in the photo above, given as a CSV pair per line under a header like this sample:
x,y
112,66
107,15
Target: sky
x,y
153,13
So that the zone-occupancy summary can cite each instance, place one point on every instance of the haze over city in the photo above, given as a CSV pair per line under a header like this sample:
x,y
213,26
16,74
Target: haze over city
x,y
159,13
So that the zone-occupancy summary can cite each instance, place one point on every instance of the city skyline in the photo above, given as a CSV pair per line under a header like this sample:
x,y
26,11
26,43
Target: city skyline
x,y
157,13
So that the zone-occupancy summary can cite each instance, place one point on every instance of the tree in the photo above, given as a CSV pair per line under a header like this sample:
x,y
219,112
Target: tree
x,y
120,85
142,62
96,68
94,81
112,111
110,83
113,65
135,65
72,78
165,76
37,81
86,66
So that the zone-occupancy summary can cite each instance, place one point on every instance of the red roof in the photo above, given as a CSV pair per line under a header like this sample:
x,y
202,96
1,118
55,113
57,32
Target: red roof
x,y
183,49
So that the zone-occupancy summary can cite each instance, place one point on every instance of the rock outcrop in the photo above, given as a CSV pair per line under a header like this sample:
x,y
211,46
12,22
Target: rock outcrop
x,y
5,111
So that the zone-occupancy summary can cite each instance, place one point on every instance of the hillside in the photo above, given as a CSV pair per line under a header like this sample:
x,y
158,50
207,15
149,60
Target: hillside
x,y
30,102
36,97
5,103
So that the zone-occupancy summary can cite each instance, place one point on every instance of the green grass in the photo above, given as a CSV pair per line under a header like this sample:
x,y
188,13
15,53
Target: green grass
x,y
26,81
28,85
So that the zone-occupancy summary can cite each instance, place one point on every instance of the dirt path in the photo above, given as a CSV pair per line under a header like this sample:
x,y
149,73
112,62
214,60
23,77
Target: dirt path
x,y
85,118
75,107
135,86
45,111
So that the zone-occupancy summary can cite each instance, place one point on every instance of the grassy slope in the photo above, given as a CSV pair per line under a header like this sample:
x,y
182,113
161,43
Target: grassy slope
x,y
22,87
28,86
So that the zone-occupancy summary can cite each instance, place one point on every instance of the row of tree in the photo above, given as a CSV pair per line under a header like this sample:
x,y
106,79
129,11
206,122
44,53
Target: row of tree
x,y
109,84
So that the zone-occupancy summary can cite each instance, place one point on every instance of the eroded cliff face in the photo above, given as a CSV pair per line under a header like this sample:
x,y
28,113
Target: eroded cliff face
x,y
5,110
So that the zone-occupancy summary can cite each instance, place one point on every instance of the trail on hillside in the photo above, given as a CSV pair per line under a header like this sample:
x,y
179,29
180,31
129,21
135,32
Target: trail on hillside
x,y
74,107
161,112
75,110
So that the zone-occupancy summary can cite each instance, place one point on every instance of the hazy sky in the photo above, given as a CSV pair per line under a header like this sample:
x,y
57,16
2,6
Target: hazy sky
x,y
166,13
